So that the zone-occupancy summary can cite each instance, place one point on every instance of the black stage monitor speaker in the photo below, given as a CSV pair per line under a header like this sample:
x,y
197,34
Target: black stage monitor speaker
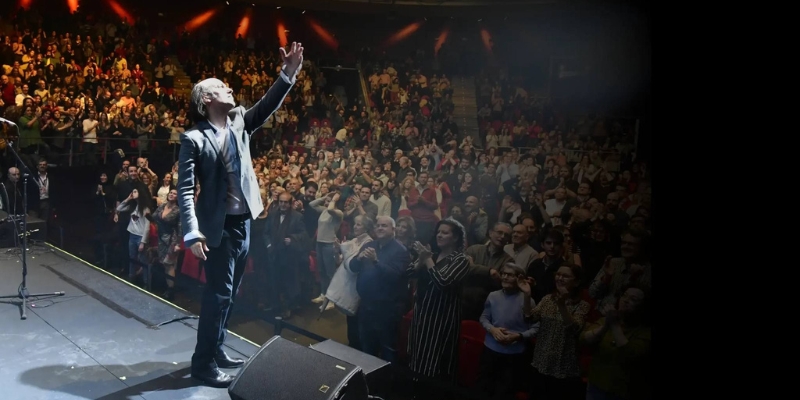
x,y
37,229
377,371
284,370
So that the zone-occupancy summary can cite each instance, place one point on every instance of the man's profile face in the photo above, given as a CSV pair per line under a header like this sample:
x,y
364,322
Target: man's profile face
x,y
219,94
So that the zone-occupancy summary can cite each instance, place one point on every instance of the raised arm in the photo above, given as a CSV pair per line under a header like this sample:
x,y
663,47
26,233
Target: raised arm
x,y
452,273
292,63
124,206
318,204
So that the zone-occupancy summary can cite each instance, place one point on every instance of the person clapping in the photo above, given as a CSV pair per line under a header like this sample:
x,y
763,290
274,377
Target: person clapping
x,y
503,360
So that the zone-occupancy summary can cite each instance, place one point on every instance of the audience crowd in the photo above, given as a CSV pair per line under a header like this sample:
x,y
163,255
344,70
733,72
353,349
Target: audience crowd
x,y
536,230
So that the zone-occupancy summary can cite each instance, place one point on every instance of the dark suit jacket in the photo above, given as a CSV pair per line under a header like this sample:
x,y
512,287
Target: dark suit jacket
x,y
385,280
4,205
200,159
293,228
13,197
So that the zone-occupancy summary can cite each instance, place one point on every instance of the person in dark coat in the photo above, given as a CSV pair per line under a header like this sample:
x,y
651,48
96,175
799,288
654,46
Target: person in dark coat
x,y
381,284
287,244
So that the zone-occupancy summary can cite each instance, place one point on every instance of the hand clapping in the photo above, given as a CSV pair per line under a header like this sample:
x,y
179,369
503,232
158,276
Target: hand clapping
x,y
368,254
423,251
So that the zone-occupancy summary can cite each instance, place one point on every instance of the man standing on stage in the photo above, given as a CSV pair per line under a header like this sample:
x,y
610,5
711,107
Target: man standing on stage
x,y
216,154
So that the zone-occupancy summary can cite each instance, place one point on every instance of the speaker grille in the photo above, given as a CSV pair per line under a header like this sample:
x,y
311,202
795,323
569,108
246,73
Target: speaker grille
x,y
284,370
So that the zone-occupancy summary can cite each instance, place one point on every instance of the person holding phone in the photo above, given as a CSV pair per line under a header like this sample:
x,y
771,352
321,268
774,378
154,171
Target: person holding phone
x,y
138,230
330,218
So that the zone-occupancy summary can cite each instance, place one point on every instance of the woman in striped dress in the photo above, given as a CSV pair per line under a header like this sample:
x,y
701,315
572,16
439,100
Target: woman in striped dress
x,y
439,269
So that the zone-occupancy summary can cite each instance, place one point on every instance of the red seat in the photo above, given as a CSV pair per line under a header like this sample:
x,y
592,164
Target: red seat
x,y
470,348
191,266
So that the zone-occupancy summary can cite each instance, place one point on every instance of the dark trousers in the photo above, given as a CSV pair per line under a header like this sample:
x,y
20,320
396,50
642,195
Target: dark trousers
x,y
377,331
44,211
326,264
224,268
550,388
353,338
282,280
501,374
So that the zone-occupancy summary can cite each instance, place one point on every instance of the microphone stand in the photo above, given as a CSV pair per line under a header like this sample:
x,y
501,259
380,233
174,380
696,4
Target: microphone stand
x,y
22,291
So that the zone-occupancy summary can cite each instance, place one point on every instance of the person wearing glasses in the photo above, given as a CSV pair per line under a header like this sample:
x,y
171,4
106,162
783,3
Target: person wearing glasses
x,y
502,364
562,314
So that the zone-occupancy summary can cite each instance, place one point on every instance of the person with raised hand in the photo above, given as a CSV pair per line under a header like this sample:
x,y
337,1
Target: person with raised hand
x,y
216,154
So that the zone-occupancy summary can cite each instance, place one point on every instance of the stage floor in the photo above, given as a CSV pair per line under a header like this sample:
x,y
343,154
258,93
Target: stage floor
x,y
97,341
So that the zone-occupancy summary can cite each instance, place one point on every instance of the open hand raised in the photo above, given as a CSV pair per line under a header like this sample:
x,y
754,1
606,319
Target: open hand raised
x,y
293,59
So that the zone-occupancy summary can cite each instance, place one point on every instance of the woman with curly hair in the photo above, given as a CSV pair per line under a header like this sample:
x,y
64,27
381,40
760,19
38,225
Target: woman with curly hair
x,y
561,315
435,327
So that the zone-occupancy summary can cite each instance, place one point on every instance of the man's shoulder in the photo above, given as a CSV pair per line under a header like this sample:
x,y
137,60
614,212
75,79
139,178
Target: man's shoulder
x,y
475,248
396,245
194,132
495,294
